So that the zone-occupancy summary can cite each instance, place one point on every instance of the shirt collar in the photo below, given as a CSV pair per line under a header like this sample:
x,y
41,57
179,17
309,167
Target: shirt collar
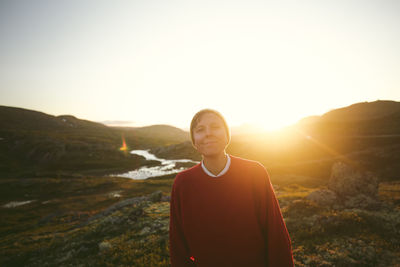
x,y
228,164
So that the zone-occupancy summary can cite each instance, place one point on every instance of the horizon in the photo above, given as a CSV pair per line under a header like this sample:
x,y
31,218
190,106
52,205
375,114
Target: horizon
x,y
263,64
239,128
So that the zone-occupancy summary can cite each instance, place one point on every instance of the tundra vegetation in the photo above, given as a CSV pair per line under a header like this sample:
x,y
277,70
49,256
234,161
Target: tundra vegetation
x,y
95,221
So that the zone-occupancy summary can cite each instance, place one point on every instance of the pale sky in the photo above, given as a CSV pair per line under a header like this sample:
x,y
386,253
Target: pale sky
x,y
159,62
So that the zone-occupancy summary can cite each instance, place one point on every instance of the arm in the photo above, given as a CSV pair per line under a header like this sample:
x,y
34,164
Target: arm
x,y
178,248
279,251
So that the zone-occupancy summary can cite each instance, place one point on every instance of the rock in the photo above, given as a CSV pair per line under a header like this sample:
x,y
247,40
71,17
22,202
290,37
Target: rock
x,y
103,246
347,182
348,188
155,196
115,207
145,231
166,198
323,197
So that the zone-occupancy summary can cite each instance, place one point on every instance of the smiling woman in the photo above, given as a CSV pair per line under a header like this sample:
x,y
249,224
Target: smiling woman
x,y
223,211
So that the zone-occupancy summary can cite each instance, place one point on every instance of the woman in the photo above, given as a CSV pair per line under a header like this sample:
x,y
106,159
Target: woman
x,y
224,211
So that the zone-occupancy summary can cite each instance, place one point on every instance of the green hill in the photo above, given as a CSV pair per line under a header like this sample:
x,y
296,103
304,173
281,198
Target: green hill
x,y
366,135
153,136
35,144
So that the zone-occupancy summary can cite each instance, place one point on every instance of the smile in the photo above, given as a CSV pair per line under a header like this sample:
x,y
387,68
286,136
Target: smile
x,y
210,143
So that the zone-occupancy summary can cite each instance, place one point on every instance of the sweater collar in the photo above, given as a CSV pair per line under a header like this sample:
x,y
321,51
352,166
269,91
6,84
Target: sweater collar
x,y
227,165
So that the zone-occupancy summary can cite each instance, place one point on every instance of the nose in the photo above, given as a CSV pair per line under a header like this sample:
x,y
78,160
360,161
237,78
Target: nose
x,y
208,131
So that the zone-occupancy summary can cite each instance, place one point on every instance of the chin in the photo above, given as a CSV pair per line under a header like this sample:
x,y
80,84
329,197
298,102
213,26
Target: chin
x,y
212,153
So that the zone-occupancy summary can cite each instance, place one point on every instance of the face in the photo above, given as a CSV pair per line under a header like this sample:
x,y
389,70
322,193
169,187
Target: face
x,y
210,138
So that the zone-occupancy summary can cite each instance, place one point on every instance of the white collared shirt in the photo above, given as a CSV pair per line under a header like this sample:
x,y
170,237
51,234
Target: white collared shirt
x,y
228,164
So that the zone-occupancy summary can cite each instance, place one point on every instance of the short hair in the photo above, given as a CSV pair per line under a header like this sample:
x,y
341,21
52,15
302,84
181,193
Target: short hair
x,y
199,114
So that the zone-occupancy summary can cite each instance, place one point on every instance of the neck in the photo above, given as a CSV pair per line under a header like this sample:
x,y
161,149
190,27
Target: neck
x,y
215,164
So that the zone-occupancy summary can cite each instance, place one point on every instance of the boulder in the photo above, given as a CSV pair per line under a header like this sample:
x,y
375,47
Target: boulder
x,y
348,188
155,196
347,182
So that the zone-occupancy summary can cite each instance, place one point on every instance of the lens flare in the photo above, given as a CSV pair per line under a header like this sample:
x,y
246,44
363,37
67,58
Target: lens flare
x,y
123,147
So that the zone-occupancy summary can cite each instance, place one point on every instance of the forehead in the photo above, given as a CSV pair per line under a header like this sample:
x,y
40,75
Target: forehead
x,y
208,118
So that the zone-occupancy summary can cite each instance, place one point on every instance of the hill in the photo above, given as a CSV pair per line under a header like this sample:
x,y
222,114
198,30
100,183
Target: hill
x,y
35,144
363,111
365,135
19,119
369,118
153,136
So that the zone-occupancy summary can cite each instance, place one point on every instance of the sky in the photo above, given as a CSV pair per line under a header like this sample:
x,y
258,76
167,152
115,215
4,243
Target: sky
x,y
148,62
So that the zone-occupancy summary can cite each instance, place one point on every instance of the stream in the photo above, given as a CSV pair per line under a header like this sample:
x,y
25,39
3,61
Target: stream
x,y
168,166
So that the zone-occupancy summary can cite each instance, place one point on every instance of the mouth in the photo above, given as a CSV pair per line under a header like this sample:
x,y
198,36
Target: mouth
x,y
210,142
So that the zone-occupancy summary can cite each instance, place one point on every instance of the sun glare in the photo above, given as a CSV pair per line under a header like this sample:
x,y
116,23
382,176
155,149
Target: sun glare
x,y
274,125
275,122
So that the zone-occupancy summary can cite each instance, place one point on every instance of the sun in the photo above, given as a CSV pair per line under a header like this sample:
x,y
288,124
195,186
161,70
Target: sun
x,y
273,123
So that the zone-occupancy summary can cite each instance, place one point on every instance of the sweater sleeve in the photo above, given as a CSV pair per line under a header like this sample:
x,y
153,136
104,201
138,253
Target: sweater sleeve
x,y
279,251
178,248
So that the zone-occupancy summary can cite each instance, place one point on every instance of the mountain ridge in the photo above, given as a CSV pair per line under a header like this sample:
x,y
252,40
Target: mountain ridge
x,y
59,143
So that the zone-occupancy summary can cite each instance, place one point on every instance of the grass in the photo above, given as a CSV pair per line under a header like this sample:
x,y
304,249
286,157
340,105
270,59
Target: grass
x,y
67,225
390,192
65,200
60,209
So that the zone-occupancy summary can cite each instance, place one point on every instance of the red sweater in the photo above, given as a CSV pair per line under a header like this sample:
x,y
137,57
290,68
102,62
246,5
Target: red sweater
x,y
231,220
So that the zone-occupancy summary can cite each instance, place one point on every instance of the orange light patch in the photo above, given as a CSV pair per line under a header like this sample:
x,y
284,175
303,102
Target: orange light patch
x,y
123,147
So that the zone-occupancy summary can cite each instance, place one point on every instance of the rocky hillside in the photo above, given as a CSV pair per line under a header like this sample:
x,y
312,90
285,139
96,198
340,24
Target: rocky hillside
x,y
353,222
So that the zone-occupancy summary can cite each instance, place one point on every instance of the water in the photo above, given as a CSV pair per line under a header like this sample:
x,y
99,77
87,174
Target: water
x,y
168,166
14,204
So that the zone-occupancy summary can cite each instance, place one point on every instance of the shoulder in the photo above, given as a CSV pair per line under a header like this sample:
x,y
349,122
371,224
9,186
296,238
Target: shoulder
x,y
253,168
187,174
247,163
